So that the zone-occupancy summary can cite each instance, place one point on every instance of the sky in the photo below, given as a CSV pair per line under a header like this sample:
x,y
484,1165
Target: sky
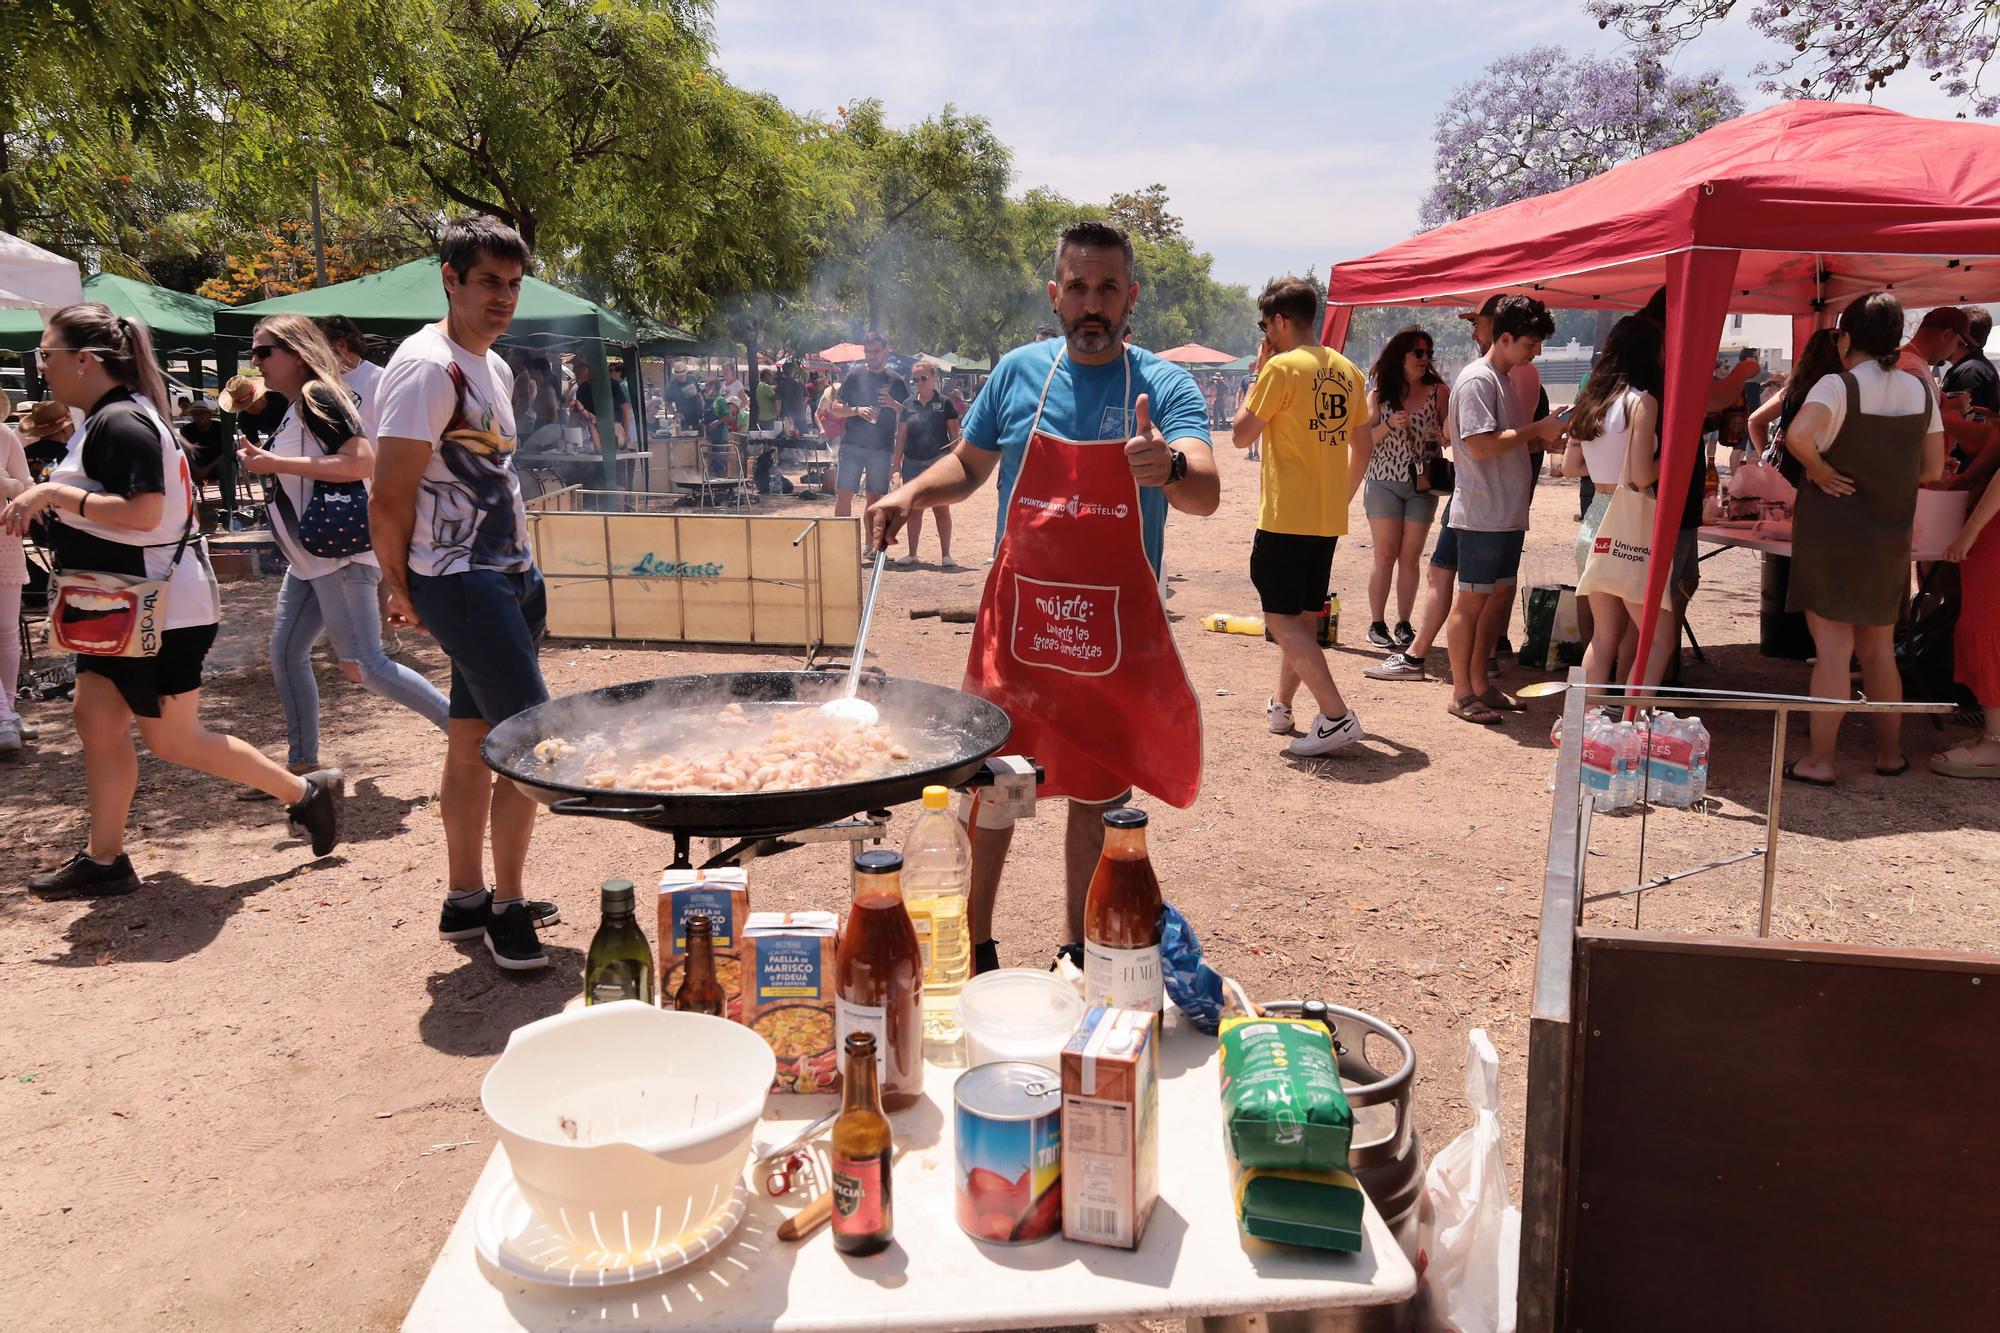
x,y
1289,133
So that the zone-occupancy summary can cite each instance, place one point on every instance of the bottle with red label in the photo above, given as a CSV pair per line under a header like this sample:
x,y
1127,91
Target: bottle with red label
x,y
1121,920
863,1207
880,986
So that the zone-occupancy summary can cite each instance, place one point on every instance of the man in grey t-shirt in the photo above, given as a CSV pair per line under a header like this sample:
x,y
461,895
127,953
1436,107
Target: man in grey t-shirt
x,y
1491,449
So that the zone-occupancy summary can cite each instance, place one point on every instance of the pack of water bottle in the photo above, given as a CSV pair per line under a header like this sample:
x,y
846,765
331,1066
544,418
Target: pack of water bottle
x,y
1676,760
1613,759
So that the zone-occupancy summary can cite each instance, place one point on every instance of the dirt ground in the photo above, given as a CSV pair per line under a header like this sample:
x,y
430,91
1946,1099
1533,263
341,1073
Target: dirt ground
x,y
248,1095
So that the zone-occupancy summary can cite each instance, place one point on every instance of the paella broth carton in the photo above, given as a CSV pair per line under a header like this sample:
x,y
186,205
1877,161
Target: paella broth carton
x,y
1110,1128
723,896
790,970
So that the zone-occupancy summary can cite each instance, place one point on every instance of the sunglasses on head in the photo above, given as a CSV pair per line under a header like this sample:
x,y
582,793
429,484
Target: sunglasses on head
x,y
263,350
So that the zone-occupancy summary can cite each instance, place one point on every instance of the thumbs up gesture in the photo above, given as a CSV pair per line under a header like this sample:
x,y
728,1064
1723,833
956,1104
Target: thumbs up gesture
x,y
1146,452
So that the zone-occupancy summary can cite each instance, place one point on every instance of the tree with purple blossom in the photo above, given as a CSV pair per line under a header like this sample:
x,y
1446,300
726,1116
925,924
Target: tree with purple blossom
x,y
1540,120
1836,48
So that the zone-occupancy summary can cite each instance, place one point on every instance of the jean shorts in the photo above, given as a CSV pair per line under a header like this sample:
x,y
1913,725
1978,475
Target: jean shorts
x,y
1398,500
490,624
859,465
1445,554
1488,561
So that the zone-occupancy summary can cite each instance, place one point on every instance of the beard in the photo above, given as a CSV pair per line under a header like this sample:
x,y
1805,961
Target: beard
x,y
1090,335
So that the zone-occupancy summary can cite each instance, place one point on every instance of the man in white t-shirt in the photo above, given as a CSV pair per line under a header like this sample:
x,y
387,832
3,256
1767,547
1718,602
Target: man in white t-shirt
x,y
362,375
452,538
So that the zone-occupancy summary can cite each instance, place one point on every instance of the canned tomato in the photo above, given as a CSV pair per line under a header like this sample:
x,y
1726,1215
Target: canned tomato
x,y
1009,1129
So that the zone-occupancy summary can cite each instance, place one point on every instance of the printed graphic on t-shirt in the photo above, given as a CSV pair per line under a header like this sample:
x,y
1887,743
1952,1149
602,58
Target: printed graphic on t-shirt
x,y
1328,420
474,522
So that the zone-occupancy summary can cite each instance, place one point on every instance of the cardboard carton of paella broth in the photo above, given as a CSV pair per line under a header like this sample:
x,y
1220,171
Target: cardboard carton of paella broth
x,y
789,969
723,896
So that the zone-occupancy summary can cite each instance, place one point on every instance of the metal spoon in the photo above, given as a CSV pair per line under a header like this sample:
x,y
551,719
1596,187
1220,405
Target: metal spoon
x,y
847,708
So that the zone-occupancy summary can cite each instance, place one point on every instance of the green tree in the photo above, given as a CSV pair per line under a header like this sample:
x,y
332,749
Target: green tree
x,y
921,198
1144,213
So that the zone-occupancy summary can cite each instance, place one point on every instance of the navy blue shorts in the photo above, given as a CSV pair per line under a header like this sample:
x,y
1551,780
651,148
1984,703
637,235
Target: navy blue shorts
x,y
1488,561
490,624
1445,554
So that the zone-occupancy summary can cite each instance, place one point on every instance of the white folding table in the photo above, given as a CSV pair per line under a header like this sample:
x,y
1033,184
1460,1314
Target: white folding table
x,y
1193,1261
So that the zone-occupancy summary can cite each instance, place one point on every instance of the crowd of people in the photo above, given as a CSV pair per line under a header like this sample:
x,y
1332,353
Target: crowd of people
x,y
395,497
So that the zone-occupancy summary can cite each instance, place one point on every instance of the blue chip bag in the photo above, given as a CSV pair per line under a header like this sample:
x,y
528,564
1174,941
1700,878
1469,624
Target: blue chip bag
x,y
1193,986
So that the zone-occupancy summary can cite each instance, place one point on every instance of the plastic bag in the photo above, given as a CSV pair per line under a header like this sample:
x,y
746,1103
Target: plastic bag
x,y
1759,481
1467,1233
1193,986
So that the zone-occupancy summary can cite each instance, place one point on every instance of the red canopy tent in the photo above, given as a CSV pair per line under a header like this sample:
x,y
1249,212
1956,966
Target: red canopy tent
x,y
1793,210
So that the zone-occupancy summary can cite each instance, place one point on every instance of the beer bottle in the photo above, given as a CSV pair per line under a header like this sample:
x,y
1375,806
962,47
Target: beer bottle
x,y
863,1212
1121,920
700,992
619,965
880,982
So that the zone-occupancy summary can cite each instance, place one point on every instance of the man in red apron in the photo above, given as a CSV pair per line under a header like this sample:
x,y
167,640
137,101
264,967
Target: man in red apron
x,y
1093,440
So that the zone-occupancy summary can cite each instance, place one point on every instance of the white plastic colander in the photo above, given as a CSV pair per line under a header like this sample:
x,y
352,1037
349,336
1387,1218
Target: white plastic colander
x,y
628,1126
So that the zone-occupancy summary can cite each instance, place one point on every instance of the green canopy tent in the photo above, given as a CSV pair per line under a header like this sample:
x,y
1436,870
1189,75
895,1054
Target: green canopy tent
x,y
396,303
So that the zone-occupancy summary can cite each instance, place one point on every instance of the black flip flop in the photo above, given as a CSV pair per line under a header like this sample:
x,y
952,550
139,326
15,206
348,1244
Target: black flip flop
x,y
1793,775
1897,772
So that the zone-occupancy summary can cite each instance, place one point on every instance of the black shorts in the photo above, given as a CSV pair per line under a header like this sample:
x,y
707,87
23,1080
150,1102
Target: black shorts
x,y
1290,571
144,681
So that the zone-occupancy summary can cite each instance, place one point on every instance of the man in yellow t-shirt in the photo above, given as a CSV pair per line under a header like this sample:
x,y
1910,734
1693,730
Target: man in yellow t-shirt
x,y
1305,406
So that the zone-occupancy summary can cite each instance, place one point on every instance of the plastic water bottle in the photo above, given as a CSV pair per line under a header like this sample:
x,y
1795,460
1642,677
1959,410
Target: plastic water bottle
x,y
937,877
1667,760
1698,768
1600,764
1631,748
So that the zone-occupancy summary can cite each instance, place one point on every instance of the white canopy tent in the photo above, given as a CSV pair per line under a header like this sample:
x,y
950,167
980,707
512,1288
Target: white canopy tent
x,y
31,278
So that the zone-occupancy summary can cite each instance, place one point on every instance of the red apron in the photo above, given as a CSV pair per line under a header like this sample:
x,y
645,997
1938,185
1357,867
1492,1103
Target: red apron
x,y
1072,641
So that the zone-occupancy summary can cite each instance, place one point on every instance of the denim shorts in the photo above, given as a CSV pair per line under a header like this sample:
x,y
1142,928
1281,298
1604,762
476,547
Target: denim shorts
x,y
858,466
490,624
1445,554
1398,500
1488,561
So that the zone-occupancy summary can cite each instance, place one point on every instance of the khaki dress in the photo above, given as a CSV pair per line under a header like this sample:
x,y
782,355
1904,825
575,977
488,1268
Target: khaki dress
x,y
1851,553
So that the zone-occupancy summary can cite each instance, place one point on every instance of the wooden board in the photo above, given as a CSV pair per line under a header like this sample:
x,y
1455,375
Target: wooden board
x,y
669,577
1774,1135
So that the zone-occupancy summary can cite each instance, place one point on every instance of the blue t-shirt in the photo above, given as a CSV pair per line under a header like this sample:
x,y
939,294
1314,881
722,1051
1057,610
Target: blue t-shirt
x,y
1083,405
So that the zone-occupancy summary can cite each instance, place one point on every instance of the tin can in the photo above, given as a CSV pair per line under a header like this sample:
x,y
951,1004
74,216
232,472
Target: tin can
x,y
1008,1121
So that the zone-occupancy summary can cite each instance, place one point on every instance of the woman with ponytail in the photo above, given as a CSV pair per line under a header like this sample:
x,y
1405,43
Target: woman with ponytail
x,y
121,502
321,440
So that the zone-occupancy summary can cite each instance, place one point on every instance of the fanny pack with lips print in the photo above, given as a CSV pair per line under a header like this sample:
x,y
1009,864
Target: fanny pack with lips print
x,y
101,614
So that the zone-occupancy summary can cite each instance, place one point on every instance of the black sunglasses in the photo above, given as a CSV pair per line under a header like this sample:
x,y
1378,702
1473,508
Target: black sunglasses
x,y
262,350
1262,327
1421,353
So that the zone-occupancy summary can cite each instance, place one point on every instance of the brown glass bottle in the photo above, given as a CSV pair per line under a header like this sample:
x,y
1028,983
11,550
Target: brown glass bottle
x,y
700,992
1121,920
880,985
864,1215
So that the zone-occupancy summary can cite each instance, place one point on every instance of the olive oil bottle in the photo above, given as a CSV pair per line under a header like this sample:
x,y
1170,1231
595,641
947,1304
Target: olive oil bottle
x,y
620,963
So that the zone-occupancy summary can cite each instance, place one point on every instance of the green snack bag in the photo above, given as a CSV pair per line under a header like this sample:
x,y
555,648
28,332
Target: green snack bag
x,y
1317,1208
1282,1101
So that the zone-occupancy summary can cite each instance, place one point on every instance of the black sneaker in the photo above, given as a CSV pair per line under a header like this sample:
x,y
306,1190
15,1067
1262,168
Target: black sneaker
x,y
985,957
511,939
318,815
1403,634
1072,951
81,877
457,922
1378,634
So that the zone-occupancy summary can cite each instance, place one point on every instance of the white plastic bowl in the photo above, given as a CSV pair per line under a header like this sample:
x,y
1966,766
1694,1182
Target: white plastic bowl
x,y
1018,1013
628,1126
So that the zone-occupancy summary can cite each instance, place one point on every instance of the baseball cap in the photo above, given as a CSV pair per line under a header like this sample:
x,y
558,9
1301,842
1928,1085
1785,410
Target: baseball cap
x,y
1486,308
1947,317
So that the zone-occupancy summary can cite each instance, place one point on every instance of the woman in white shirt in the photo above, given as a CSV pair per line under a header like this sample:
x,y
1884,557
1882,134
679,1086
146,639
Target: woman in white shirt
x,y
321,440
1867,438
122,500
1613,430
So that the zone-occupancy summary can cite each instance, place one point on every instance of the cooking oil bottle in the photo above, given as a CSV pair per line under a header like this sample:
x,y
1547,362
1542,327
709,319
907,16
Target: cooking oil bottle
x,y
937,876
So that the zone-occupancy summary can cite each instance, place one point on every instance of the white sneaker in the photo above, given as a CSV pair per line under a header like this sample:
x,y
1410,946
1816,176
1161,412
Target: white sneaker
x,y
1279,717
1328,737
10,738
905,560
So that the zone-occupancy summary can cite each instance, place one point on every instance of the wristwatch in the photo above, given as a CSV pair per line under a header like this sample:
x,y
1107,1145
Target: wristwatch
x,y
1176,466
